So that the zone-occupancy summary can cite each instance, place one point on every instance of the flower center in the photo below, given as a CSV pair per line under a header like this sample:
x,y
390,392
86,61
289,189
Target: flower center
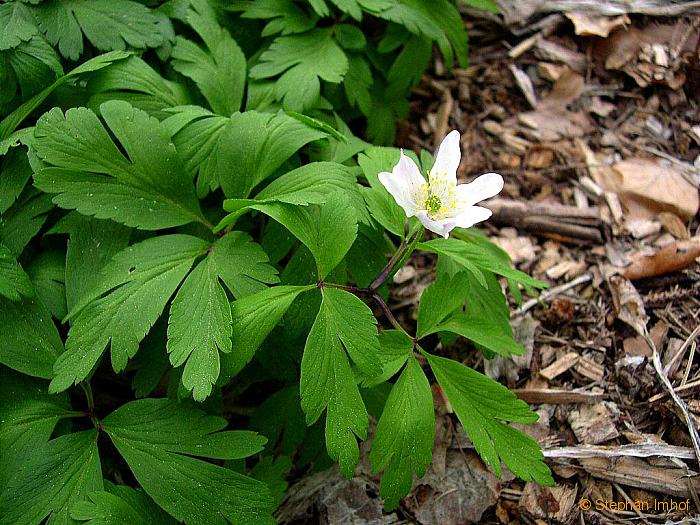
x,y
433,203
437,197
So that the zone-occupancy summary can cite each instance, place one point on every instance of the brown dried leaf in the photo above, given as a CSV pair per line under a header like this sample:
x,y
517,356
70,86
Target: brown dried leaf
x,y
551,121
647,187
674,225
589,25
671,258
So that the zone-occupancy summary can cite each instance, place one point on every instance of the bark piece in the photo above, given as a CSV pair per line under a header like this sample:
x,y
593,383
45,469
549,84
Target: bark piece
x,y
639,473
520,11
551,503
460,496
593,424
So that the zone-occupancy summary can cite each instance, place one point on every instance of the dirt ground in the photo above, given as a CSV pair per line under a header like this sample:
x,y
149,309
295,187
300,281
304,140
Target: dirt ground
x,y
594,121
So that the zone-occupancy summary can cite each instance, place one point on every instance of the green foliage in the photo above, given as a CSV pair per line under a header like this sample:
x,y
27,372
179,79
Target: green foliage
x,y
193,201
344,326
483,406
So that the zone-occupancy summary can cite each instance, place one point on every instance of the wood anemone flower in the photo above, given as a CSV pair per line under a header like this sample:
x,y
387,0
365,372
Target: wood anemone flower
x,y
440,203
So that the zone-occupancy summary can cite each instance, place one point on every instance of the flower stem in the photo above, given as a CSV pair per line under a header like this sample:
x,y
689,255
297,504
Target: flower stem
x,y
395,259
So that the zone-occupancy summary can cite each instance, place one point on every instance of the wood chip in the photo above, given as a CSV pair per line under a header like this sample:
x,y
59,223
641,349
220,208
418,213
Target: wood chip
x,y
560,366
590,369
592,25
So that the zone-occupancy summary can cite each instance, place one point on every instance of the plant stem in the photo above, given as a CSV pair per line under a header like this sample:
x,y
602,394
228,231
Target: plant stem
x,y
387,313
91,403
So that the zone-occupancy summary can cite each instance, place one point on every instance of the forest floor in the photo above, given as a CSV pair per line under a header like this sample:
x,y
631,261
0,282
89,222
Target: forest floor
x,y
594,122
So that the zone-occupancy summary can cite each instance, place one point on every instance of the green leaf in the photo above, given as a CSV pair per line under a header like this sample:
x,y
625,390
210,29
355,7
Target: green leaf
x,y
395,347
119,505
91,246
483,406
285,17
485,5
14,283
483,331
148,189
309,184
440,299
10,123
218,72
16,25
242,264
403,443
237,153
15,172
199,328
23,220
302,61
137,83
472,255
281,415
140,280
273,473
35,64
51,479
438,20
254,317
328,231
157,438
29,340
344,323
107,24
28,416
47,272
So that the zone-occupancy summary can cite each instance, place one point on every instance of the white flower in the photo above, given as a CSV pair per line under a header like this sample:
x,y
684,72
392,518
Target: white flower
x,y
440,203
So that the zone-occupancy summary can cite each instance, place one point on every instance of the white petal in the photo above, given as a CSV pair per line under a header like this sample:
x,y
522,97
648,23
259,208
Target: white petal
x,y
470,216
448,157
403,183
442,227
483,187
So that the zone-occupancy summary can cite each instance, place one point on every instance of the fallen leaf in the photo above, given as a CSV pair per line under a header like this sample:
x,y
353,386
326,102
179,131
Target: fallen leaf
x,y
652,55
637,346
671,258
647,187
674,225
628,304
589,25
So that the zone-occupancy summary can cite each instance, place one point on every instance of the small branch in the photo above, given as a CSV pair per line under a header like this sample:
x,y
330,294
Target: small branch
x,y
542,219
553,292
656,360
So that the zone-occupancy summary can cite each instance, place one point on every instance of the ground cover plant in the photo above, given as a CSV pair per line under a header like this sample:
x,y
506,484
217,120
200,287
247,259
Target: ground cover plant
x,y
195,251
